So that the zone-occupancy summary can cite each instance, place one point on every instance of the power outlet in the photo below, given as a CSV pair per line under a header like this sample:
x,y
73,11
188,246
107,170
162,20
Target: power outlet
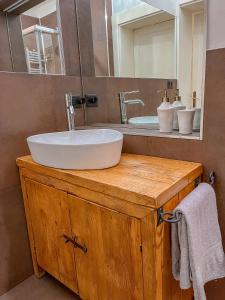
x,y
91,100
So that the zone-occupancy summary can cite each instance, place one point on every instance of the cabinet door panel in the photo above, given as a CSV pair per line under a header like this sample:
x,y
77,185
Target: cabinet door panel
x,y
49,215
112,266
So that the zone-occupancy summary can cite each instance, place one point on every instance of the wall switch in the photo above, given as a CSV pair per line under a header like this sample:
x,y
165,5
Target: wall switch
x,y
91,100
169,84
77,101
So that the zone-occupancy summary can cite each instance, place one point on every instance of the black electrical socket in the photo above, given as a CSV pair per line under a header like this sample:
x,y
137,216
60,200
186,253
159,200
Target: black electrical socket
x,y
91,100
77,101
169,84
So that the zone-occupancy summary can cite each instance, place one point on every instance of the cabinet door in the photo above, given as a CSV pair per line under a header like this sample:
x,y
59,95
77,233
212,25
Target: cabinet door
x,y
50,220
111,268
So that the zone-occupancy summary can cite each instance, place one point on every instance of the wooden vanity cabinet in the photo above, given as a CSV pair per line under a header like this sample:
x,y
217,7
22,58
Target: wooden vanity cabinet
x,y
97,232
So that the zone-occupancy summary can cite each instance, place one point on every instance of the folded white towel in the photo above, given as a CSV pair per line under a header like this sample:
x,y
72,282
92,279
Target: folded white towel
x,y
197,251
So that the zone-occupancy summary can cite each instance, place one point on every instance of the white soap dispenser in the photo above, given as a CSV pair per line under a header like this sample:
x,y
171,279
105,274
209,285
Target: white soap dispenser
x,y
177,105
166,114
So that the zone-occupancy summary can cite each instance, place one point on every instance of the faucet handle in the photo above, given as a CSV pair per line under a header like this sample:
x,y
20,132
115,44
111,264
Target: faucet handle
x,y
74,100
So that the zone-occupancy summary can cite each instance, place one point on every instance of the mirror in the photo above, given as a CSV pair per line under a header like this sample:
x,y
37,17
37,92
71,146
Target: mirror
x,y
42,39
146,46
39,37
116,47
143,41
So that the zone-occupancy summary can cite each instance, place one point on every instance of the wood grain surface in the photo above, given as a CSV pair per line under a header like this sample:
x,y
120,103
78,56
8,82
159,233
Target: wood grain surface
x,y
145,180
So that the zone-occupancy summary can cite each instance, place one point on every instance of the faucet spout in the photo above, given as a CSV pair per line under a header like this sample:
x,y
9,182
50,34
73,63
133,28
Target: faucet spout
x,y
124,102
70,111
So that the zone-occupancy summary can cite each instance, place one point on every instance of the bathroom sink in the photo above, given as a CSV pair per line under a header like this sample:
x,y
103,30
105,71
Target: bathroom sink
x,y
145,120
77,149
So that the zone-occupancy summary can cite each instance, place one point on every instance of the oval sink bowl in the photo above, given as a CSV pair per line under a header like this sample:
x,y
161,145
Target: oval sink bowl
x,y
78,149
145,120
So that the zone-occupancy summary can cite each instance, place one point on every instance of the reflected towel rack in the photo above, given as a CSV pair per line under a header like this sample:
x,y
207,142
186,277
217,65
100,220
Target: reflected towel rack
x,y
172,217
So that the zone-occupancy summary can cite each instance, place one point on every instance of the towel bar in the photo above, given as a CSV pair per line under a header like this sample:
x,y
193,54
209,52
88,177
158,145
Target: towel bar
x,y
172,217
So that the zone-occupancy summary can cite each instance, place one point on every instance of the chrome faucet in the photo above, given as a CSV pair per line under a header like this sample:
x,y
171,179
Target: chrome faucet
x,y
70,111
124,102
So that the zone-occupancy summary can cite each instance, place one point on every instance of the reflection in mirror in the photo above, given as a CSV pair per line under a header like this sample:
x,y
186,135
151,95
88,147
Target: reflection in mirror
x,y
192,51
148,46
42,39
143,40
133,39
39,37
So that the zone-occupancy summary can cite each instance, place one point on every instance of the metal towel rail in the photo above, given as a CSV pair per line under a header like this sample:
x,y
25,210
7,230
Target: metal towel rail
x,y
172,217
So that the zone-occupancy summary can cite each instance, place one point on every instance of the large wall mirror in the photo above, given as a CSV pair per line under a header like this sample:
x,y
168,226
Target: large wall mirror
x,y
146,46
127,53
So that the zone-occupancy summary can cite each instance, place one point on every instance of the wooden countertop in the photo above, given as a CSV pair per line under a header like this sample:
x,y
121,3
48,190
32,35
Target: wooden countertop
x,y
144,180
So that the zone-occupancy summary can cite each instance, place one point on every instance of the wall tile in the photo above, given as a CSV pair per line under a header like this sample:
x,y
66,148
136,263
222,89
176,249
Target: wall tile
x,y
30,104
15,260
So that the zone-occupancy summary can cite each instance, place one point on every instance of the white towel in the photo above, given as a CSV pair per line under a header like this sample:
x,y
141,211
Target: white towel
x,y
197,251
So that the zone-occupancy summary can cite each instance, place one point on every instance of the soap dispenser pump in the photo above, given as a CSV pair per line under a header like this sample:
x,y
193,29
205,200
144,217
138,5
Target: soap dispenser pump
x,y
177,105
165,99
165,113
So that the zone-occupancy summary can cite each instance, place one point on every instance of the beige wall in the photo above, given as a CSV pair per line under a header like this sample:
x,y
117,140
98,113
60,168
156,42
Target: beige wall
x,y
216,24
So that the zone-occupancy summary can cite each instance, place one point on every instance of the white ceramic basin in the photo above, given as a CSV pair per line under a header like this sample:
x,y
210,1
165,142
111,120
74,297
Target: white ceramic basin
x,y
79,149
146,120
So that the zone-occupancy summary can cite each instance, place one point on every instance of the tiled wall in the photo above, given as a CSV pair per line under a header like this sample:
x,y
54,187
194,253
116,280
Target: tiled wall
x,y
29,104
